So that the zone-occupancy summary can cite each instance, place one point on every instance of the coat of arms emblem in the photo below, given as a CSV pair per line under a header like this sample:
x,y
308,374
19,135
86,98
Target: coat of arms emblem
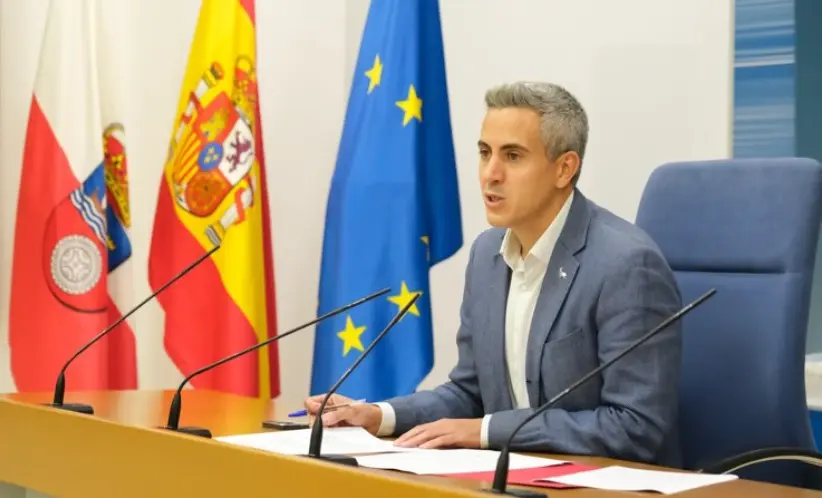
x,y
212,153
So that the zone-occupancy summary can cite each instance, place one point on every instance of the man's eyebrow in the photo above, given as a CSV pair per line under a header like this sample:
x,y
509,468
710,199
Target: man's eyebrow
x,y
513,146
509,146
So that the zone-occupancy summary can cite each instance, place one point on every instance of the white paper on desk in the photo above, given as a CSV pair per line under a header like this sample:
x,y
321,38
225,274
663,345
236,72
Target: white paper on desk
x,y
339,440
450,461
617,478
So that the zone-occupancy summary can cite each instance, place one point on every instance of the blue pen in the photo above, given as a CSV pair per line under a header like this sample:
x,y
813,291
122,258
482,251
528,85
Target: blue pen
x,y
303,413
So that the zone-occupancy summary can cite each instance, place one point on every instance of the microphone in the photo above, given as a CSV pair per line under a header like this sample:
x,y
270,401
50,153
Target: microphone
x,y
501,472
60,387
176,402
317,429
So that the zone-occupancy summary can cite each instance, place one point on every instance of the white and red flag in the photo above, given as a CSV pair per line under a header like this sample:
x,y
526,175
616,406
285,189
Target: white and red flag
x,y
72,253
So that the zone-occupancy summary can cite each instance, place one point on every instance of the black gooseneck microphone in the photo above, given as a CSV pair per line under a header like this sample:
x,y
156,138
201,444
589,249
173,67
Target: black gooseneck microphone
x,y
316,440
501,472
60,387
176,402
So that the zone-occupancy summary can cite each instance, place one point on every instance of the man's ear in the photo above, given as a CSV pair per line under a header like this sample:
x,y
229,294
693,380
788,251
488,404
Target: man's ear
x,y
567,167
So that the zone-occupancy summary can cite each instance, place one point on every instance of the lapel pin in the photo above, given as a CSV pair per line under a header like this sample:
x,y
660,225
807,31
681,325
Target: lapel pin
x,y
562,273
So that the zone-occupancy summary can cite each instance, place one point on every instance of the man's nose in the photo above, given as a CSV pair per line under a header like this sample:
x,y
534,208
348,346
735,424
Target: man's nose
x,y
493,172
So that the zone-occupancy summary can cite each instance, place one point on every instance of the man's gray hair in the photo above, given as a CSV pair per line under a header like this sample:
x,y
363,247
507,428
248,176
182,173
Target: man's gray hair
x,y
564,123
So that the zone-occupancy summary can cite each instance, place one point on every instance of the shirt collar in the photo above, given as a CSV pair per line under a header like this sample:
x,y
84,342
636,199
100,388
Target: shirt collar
x,y
544,246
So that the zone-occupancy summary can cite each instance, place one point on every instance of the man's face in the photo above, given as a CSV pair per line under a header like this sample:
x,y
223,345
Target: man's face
x,y
517,179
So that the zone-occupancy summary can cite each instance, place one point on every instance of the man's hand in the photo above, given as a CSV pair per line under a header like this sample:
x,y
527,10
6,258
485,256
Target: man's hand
x,y
445,433
363,415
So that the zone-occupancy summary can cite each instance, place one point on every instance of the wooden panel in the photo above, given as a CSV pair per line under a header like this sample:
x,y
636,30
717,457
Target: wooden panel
x,y
71,455
117,452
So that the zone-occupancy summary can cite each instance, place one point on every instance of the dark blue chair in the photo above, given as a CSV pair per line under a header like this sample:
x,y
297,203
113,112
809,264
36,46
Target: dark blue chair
x,y
748,228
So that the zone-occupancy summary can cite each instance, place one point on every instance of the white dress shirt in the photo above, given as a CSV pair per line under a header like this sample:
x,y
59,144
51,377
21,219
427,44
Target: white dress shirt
x,y
526,282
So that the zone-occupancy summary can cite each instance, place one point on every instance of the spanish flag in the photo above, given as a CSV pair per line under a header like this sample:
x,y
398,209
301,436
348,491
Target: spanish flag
x,y
213,192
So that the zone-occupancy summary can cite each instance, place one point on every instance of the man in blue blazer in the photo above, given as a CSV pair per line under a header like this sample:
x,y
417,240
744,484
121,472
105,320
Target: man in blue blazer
x,y
557,287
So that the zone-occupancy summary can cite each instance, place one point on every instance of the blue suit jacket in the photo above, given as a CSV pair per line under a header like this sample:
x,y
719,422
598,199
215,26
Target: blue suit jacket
x,y
617,286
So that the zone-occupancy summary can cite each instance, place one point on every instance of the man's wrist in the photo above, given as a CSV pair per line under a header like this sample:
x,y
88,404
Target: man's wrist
x,y
388,421
486,422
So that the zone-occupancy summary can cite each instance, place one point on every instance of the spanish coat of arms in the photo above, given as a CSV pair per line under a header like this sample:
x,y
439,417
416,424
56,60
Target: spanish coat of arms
x,y
212,153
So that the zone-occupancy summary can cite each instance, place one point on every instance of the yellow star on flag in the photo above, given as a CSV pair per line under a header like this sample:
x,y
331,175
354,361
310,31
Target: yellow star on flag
x,y
374,74
404,298
412,106
351,336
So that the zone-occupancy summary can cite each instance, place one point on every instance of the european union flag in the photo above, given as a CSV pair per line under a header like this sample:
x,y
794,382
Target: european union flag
x,y
393,209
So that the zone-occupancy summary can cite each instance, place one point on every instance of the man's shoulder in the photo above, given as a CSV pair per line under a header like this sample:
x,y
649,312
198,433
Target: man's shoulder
x,y
617,248
615,238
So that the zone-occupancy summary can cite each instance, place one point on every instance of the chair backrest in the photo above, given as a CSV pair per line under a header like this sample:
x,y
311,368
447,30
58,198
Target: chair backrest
x,y
748,228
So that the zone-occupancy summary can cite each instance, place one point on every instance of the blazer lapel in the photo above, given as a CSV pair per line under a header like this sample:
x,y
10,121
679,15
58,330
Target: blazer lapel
x,y
562,268
500,282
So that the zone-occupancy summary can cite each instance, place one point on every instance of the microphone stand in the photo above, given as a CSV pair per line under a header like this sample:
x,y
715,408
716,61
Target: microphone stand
x,y
501,472
317,429
176,402
60,387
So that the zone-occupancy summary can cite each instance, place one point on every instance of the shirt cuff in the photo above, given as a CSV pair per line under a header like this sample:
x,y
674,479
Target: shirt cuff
x,y
389,420
486,422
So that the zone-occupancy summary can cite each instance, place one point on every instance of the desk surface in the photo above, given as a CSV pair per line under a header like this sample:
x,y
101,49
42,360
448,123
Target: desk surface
x,y
225,414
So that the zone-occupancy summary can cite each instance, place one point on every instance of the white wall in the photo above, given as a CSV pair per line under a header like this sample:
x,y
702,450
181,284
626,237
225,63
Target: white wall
x,y
654,76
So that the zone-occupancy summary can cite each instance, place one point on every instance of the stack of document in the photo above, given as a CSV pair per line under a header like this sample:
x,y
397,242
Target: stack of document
x,y
376,453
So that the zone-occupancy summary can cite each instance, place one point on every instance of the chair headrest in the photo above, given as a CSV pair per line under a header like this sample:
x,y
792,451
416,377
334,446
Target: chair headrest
x,y
740,215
